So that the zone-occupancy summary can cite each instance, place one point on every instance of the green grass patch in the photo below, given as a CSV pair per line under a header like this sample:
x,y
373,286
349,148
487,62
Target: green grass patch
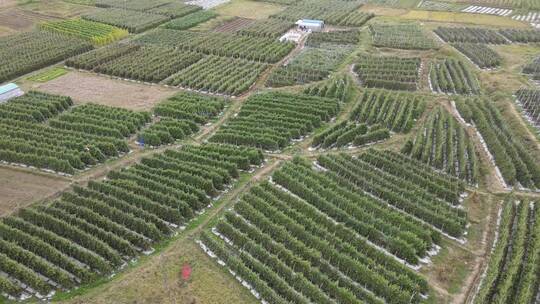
x,y
48,75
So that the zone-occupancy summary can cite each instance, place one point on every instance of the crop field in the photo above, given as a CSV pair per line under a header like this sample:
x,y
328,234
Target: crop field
x,y
48,75
480,54
388,72
97,33
179,117
517,251
338,259
107,223
335,12
271,28
516,163
522,36
191,20
346,37
529,100
402,36
174,9
312,64
271,120
338,87
469,35
396,111
219,152
444,144
26,52
221,44
134,22
44,131
145,63
454,77
222,75
236,25
533,68
521,4
137,5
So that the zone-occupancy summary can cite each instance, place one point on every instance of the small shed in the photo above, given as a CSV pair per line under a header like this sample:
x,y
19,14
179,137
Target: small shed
x,y
8,91
310,24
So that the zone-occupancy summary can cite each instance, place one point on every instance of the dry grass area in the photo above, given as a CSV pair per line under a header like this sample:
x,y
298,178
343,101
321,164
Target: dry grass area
x,y
249,9
19,188
464,18
55,8
86,87
159,281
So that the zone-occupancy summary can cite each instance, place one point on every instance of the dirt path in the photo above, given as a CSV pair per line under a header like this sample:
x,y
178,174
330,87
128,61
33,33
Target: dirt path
x,y
481,257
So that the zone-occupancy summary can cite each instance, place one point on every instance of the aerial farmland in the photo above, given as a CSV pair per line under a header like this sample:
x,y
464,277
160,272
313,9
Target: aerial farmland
x,y
270,151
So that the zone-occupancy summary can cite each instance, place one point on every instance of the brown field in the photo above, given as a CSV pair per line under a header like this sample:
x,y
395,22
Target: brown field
x,y
19,188
21,20
85,87
234,25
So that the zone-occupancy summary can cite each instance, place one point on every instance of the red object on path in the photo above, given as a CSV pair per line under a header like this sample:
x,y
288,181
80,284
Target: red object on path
x,y
186,272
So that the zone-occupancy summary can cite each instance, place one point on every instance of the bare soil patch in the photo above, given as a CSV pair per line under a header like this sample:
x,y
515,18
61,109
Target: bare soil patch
x,y
234,25
19,188
85,87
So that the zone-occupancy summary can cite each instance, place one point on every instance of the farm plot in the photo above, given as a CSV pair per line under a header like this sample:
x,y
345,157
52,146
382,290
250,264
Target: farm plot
x,y
149,63
301,206
529,100
92,231
533,69
190,20
271,120
521,36
312,64
48,75
443,143
338,87
26,52
531,17
454,77
97,33
516,163
221,44
221,75
402,36
388,72
316,39
174,9
440,6
512,273
137,5
133,21
180,116
271,28
333,12
522,4
349,133
43,131
475,9
480,54
235,25
469,35
396,111
89,88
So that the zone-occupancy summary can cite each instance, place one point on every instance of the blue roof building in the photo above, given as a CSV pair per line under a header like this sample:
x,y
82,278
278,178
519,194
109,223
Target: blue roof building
x,y
8,91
